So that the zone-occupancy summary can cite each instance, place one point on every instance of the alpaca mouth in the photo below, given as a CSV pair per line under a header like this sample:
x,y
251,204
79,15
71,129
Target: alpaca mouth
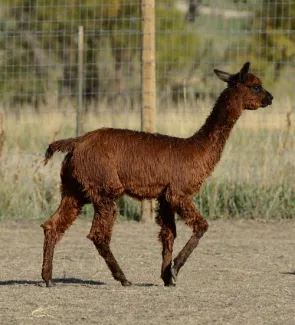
x,y
267,100
266,103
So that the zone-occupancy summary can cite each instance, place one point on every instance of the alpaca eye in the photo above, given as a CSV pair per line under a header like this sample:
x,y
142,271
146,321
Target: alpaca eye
x,y
256,88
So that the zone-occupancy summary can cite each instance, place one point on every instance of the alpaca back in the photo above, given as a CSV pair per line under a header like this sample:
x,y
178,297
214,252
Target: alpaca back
x,y
143,164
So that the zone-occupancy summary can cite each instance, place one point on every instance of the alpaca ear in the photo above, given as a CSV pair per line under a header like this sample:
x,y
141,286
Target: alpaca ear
x,y
243,75
224,76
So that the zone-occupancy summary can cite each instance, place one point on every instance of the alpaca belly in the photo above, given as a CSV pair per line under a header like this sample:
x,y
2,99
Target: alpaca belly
x,y
144,192
143,183
147,189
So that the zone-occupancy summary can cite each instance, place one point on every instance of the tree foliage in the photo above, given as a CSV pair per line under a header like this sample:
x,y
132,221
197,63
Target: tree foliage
x,y
275,41
41,44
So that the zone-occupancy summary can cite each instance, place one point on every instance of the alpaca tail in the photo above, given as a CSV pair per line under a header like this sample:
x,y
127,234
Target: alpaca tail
x,y
65,145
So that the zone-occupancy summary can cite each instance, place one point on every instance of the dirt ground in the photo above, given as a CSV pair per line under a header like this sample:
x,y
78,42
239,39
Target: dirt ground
x,y
242,273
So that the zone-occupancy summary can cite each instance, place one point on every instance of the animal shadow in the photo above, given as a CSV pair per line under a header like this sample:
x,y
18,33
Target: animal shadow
x,y
145,285
58,280
288,273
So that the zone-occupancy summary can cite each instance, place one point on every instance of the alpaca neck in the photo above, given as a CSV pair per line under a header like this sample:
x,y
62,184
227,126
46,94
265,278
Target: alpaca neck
x,y
217,126
213,135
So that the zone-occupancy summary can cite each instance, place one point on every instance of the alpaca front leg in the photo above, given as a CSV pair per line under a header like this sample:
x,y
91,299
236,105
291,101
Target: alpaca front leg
x,y
167,235
100,234
193,219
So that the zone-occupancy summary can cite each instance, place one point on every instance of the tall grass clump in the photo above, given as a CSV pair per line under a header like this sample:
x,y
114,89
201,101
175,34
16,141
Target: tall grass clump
x,y
226,199
254,179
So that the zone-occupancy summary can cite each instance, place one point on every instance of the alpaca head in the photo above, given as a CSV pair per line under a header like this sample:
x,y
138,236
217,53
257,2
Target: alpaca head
x,y
247,86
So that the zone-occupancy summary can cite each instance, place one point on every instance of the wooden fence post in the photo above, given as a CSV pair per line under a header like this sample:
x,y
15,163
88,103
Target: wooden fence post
x,y
148,84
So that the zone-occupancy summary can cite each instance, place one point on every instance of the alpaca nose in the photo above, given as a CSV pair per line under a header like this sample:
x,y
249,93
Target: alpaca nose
x,y
270,96
267,100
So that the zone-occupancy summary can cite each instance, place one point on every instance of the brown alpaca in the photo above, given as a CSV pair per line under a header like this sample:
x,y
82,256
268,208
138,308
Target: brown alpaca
x,y
105,164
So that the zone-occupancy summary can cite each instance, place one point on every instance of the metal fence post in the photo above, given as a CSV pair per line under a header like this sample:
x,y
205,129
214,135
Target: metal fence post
x,y
80,110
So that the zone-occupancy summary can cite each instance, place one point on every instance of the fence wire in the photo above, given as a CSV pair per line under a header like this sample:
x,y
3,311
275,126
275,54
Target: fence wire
x,y
38,56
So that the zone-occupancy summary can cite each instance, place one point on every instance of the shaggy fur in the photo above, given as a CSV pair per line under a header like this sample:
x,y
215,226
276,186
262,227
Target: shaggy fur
x,y
105,164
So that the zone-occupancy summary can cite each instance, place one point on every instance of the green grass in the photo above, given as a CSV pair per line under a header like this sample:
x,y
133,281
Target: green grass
x,y
244,200
255,178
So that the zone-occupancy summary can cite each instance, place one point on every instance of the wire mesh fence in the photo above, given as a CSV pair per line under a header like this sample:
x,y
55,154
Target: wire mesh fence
x,y
39,48
39,73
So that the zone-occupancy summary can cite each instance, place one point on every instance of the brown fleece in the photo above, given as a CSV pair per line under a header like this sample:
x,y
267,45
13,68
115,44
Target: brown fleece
x,y
105,164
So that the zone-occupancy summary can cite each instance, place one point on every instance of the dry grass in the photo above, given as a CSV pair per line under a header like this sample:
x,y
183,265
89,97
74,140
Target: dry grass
x,y
256,165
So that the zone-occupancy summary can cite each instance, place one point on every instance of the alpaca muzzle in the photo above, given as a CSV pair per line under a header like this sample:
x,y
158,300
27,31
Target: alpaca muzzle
x,y
267,100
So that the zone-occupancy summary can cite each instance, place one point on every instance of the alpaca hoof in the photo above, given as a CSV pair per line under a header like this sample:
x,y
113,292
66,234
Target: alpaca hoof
x,y
170,284
50,284
170,279
126,283
174,275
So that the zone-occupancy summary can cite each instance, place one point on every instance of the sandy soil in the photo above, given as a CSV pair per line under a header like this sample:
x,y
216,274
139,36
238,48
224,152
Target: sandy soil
x,y
242,273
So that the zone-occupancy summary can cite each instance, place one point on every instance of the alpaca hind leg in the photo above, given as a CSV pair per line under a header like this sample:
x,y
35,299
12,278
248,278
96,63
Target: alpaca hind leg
x,y
54,228
100,234
199,225
166,220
